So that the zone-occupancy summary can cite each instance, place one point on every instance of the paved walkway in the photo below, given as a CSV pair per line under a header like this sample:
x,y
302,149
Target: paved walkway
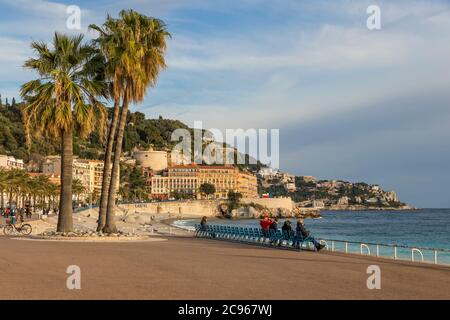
x,y
189,268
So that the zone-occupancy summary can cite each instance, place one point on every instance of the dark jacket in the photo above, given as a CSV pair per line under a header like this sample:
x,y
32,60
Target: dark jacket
x,y
274,226
286,227
301,229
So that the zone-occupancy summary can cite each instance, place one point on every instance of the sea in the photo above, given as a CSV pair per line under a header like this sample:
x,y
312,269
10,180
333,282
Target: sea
x,y
425,229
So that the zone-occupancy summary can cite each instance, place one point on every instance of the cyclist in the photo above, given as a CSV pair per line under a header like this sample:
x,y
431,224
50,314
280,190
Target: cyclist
x,y
13,216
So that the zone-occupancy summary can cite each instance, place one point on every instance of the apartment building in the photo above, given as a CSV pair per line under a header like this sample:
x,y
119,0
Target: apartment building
x,y
9,162
187,179
89,172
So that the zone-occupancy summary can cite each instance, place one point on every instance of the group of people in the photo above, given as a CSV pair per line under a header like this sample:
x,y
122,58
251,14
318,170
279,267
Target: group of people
x,y
19,213
268,225
13,214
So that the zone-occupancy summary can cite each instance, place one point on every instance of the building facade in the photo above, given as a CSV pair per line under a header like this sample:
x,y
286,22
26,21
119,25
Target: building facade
x,y
156,160
186,180
89,172
9,162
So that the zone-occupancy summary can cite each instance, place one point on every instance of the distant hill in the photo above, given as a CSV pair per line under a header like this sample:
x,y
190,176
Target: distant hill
x,y
140,132
333,194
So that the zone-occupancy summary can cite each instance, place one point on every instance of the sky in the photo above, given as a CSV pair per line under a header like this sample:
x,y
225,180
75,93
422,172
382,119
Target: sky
x,y
350,103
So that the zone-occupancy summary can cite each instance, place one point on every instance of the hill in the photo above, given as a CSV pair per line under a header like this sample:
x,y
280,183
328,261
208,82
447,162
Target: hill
x,y
140,132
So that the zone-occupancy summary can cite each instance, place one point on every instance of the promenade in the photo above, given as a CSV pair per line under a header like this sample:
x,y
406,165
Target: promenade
x,y
190,268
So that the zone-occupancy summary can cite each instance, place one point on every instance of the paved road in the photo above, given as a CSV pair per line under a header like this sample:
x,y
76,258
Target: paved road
x,y
189,268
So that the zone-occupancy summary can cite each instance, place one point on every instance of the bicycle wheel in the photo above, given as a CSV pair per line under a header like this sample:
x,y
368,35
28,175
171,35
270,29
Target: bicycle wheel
x,y
25,229
8,230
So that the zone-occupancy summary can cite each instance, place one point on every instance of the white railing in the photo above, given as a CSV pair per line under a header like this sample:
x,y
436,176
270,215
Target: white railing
x,y
393,251
398,252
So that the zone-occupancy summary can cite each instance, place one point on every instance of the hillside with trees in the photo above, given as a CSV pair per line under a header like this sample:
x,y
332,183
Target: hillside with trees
x,y
139,132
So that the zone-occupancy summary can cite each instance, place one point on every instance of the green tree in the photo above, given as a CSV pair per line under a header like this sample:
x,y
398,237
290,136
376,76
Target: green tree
x,y
78,188
234,196
207,189
64,99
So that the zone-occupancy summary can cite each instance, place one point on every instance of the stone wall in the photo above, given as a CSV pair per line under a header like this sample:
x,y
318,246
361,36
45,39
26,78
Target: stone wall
x,y
196,208
285,203
179,208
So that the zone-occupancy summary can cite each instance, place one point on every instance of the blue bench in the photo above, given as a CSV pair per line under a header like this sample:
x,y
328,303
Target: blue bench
x,y
277,238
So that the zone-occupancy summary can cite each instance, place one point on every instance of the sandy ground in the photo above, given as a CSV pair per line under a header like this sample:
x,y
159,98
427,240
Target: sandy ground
x,y
87,220
191,268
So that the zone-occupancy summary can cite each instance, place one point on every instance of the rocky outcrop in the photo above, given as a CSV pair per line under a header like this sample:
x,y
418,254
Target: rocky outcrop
x,y
391,196
366,207
250,212
343,201
319,204
300,212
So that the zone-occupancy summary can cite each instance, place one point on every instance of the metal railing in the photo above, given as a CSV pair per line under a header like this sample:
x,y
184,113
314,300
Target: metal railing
x,y
393,251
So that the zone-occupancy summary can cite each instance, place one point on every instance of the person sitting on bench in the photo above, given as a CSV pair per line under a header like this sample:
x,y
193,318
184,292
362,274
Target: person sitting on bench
x,y
301,231
203,224
273,228
265,224
287,226
204,227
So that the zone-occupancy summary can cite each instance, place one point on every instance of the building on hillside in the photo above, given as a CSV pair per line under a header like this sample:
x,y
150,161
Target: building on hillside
x,y
53,178
51,165
89,172
152,159
286,177
9,162
188,179
308,179
267,172
290,187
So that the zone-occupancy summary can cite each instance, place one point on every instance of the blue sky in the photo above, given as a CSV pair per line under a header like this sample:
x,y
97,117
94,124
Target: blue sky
x,y
350,103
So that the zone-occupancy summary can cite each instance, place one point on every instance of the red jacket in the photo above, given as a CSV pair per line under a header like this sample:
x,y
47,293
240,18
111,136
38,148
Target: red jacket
x,y
265,224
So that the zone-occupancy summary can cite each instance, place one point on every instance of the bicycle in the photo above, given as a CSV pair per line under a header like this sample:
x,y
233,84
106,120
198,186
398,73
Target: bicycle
x,y
24,229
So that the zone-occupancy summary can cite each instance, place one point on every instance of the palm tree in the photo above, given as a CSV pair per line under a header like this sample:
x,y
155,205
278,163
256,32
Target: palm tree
x,y
64,99
134,46
16,179
53,191
108,45
78,188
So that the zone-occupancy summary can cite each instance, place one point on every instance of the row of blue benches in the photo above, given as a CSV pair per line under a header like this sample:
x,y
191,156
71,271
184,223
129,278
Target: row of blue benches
x,y
280,238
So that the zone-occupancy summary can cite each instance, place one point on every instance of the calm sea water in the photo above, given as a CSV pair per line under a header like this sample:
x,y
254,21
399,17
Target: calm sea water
x,y
419,228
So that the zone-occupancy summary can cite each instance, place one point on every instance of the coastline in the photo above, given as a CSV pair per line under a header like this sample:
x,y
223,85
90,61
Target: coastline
x,y
364,208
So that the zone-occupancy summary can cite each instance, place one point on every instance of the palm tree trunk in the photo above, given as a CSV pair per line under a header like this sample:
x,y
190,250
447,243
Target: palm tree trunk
x,y
65,223
107,167
110,226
